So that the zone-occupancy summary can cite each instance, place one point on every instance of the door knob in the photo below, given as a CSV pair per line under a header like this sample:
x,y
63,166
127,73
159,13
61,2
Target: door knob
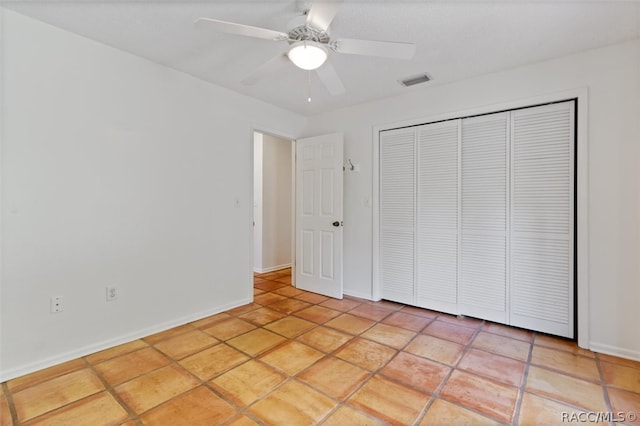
x,y
336,223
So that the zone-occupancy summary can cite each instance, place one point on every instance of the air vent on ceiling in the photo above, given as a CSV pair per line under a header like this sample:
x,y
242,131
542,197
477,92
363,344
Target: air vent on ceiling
x,y
413,80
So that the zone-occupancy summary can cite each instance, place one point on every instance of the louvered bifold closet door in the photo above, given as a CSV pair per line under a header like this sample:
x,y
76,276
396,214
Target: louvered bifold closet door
x,y
482,284
542,217
437,216
397,214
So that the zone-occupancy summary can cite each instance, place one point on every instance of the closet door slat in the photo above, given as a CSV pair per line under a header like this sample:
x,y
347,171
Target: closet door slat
x,y
542,210
437,216
397,214
482,284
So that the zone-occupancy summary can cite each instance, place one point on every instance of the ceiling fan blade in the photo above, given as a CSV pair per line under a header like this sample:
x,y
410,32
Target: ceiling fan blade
x,y
330,79
386,49
322,13
239,29
269,67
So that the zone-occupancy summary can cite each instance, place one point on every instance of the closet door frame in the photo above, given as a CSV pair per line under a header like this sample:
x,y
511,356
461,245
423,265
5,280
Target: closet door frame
x,y
580,95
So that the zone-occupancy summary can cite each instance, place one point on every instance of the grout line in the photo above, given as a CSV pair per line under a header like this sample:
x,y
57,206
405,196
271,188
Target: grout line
x,y
132,414
523,385
603,384
12,409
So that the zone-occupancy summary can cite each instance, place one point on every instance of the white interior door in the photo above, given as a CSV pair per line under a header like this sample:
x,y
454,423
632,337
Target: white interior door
x,y
319,214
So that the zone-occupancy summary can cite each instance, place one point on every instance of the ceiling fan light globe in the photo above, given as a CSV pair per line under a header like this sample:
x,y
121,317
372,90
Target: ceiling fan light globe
x,y
307,55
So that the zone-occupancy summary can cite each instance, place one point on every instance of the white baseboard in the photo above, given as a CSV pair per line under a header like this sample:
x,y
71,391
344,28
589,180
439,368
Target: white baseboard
x,y
96,347
615,351
272,268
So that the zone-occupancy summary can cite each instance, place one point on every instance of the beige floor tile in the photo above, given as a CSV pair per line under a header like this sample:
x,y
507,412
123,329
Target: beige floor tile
x,y
289,306
318,314
621,376
407,321
244,309
186,344
241,421
269,285
567,389
248,382
505,330
394,306
115,351
213,361
449,331
620,361
566,362
415,371
293,404
210,320
55,393
562,345
334,377
288,291
481,395
256,341
365,353
372,312
502,345
346,415
537,411
290,326
267,299
435,349
126,367
342,305
154,388
172,332
325,339
350,323
292,357
443,412
199,406
626,405
262,316
23,382
497,367
313,298
389,401
99,409
425,313
229,328
389,335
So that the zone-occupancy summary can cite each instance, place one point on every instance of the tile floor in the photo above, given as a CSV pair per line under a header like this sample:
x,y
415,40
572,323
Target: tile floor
x,y
294,357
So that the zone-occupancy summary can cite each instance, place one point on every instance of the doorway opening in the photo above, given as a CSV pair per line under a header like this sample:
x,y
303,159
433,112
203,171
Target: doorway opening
x,y
273,203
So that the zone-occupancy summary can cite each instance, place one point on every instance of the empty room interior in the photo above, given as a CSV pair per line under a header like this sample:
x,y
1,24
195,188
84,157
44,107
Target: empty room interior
x,y
337,212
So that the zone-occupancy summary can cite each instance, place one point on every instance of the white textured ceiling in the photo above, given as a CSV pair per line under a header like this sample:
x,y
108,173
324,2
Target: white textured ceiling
x,y
455,39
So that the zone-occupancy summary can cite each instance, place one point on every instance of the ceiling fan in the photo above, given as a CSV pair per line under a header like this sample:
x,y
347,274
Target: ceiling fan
x,y
310,44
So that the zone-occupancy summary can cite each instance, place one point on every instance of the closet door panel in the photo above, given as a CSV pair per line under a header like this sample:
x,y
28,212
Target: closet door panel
x,y
437,216
397,215
542,229
482,285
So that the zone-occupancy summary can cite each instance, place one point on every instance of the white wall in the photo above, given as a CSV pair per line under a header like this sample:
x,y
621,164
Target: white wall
x,y
117,171
276,203
612,78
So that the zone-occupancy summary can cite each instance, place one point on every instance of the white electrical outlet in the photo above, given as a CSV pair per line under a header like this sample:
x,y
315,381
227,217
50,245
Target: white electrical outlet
x,y
112,293
56,304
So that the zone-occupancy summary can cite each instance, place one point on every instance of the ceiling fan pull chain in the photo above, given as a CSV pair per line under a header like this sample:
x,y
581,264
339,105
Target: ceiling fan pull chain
x,y
309,86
